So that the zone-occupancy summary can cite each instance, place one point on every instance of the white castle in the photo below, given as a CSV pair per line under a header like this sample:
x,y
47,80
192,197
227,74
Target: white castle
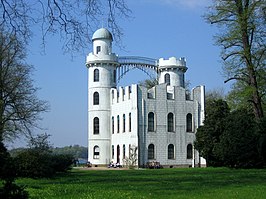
x,y
137,125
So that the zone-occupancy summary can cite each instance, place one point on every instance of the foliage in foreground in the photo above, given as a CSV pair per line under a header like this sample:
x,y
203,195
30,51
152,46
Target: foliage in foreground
x,y
162,183
231,139
9,189
38,164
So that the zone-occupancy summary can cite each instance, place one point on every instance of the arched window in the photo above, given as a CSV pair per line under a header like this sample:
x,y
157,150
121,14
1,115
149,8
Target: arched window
x,y
124,151
118,154
113,94
129,124
118,124
189,122
151,151
113,125
170,122
171,151
167,79
113,151
151,121
124,123
96,75
114,76
95,98
98,49
189,151
96,152
96,125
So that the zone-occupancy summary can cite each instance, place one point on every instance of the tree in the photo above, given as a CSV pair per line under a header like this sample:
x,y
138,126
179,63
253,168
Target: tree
x,y
72,20
19,106
233,139
40,142
242,38
131,160
238,146
215,94
149,83
208,136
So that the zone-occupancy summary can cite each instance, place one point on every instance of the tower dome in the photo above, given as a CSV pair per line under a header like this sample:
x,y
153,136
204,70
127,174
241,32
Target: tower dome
x,y
102,33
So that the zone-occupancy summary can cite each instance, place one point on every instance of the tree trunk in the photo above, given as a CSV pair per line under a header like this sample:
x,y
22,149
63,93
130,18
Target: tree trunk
x,y
252,79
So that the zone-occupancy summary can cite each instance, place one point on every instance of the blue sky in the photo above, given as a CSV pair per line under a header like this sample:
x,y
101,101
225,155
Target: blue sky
x,y
158,29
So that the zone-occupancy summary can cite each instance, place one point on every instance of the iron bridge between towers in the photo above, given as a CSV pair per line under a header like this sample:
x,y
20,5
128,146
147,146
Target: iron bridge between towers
x,y
145,64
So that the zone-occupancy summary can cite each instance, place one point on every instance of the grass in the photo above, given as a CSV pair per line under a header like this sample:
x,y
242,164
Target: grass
x,y
164,183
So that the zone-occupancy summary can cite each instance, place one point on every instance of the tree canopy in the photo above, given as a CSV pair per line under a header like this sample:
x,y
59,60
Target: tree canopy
x,y
232,139
242,37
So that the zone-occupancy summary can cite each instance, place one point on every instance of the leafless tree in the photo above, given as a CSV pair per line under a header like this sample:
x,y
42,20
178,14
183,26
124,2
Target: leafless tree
x,y
131,160
19,106
73,20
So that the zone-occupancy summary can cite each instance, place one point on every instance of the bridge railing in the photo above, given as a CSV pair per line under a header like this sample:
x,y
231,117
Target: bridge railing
x,y
137,60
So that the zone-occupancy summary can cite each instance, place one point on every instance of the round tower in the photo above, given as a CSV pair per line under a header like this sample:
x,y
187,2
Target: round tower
x,y
101,64
172,71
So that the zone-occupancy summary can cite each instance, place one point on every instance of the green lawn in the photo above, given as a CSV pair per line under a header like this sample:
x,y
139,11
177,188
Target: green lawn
x,y
204,183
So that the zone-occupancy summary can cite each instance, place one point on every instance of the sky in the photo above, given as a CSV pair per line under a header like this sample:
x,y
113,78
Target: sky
x,y
157,29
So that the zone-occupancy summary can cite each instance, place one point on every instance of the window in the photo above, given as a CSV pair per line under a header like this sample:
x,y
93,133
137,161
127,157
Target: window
x,y
171,151
118,154
124,151
151,122
113,125
96,152
151,151
114,76
96,125
129,124
113,151
96,75
95,98
167,79
118,124
98,49
113,94
170,122
124,123
189,122
189,151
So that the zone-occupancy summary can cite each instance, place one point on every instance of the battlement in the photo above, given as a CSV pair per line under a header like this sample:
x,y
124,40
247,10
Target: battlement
x,y
92,58
172,62
122,93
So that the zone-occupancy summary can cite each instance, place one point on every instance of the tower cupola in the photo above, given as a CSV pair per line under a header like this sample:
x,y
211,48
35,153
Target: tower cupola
x,y
102,33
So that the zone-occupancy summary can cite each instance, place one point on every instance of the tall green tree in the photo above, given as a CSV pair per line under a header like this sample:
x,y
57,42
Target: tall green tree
x,y
243,41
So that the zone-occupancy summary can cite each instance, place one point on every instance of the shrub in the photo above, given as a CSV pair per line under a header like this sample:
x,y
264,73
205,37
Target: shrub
x,y
8,173
12,191
62,162
35,163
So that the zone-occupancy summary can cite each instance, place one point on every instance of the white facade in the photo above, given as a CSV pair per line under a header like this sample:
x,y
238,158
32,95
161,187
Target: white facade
x,y
160,122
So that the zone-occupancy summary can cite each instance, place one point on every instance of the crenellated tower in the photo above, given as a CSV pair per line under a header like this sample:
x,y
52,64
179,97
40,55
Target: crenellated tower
x,y
172,71
101,64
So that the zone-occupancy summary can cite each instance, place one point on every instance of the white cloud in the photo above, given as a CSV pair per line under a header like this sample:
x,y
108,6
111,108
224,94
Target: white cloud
x,y
191,4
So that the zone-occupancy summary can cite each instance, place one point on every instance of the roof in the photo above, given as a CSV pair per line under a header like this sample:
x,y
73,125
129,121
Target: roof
x,y
102,33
